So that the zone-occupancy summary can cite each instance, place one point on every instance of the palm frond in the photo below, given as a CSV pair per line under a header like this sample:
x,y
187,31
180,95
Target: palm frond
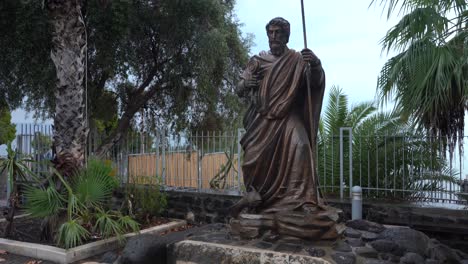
x,y
108,226
359,113
94,185
71,234
421,23
43,202
129,224
336,111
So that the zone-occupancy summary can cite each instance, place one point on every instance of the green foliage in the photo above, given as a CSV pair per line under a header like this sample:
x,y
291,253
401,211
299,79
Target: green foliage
x,y
26,70
146,199
94,185
428,79
162,60
84,200
386,151
107,225
41,143
16,168
72,234
44,201
7,129
220,179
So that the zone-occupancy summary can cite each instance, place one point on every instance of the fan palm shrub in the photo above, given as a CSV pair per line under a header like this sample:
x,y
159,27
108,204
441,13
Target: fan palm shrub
x,y
81,208
16,168
386,152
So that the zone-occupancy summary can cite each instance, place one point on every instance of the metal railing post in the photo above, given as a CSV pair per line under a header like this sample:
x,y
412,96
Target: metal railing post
x,y
342,129
163,158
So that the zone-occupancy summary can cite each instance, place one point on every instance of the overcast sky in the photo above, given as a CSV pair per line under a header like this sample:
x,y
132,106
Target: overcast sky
x,y
344,34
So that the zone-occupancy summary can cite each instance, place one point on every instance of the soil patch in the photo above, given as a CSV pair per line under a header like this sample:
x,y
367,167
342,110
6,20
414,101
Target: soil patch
x,y
28,229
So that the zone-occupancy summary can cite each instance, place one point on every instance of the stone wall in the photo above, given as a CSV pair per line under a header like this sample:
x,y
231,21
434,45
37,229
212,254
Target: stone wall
x,y
449,226
214,208
206,207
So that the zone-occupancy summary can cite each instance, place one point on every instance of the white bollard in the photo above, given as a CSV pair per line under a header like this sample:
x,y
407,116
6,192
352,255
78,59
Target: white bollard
x,y
356,203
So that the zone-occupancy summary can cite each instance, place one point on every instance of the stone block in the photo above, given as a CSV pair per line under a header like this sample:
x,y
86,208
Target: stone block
x,y
360,224
352,233
207,253
412,258
344,258
342,246
408,239
366,252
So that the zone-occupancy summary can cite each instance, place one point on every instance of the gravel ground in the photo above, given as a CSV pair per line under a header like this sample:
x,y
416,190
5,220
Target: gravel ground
x,y
16,259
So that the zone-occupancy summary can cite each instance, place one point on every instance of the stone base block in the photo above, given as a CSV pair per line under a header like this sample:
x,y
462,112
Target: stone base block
x,y
195,252
318,225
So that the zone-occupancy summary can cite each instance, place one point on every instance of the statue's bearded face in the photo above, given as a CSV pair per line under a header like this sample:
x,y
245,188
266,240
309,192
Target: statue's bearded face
x,y
277,38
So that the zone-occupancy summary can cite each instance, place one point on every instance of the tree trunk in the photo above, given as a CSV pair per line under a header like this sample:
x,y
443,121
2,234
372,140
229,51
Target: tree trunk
x,y
68,54
10,214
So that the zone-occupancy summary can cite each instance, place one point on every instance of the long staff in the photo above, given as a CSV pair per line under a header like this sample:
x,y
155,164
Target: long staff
x,y
313,129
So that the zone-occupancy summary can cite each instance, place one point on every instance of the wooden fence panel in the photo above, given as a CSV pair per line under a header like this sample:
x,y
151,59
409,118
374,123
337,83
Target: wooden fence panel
x,y
181,169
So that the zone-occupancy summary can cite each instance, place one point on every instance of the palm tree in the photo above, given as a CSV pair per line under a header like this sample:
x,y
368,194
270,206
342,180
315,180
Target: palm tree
x,y
386,153
68,54
428,79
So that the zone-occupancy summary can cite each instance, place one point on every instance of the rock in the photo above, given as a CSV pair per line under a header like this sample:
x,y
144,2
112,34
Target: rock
x,y
188,252
441,253
117,261
365,225
366,252
406,238
461,254
190,217
377,261
342,247
315,252
354,242
284,247
352,233
109,257
383,245
389,257
368,236
465,261
431,261
344,258
412,258
146,249
263,245
151,248
249,232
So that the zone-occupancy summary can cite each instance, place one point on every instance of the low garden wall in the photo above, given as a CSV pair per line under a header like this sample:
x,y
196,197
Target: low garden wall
x,y
449,226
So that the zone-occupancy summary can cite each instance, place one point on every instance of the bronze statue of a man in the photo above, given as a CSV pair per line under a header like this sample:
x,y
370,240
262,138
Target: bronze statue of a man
x,y
281,123
286,90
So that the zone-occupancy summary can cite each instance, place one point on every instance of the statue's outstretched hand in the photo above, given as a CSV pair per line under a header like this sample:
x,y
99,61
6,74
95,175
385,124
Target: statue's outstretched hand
x,y
310,57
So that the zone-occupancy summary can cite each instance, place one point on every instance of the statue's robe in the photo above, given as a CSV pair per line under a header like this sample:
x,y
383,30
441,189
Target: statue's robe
x,y
281,127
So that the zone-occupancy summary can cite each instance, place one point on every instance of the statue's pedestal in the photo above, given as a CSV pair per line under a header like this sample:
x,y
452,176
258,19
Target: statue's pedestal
x,y
318,225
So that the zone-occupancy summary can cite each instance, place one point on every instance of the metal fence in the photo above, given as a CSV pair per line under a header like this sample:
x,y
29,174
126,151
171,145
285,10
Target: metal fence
x,y
386,166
